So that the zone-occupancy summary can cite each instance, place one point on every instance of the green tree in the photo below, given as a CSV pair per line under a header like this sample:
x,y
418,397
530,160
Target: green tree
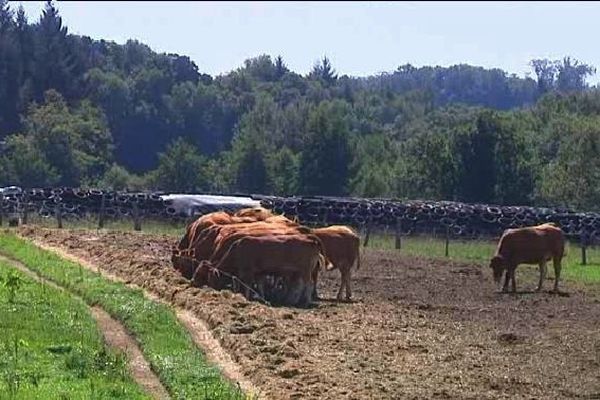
x,y
180,168
325,159
55,64
251,173
282,171
76,143
477,151
25,165
572,75
118,178
573,177
323,71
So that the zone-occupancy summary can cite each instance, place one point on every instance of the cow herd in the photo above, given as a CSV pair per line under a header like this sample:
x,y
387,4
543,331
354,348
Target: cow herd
x,y
258,252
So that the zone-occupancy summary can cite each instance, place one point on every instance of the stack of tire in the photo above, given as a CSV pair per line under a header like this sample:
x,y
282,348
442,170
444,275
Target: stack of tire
x,y
410,217
425,217
76,203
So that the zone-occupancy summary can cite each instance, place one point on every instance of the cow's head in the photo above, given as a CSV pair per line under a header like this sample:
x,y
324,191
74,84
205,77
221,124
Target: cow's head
x,y
497,265
200,277
174,255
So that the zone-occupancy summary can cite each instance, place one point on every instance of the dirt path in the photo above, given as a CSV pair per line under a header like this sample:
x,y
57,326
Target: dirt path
x,y
115,336
198,330
418,329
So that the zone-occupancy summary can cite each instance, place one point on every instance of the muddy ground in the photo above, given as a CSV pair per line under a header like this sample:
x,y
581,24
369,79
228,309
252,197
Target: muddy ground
x,y
418,329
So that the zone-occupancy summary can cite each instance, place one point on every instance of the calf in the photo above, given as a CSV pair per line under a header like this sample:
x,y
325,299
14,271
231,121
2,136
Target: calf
x,y
342,250
531,245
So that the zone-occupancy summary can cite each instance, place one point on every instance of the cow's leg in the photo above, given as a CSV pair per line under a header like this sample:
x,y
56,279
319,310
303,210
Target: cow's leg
x,y
295,290
344,272
260,286
245,280
506,279
542,275
348,281
512,278
315,277
557,268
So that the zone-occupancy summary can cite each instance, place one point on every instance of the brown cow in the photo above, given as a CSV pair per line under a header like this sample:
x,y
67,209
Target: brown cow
x,y
259,213
531,245
212,243
192,231
195,231
222,243
342,250
263,214
292,256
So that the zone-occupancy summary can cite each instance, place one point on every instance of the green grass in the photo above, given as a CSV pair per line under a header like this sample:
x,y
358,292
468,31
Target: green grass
x,y
180,365
481,251
50,346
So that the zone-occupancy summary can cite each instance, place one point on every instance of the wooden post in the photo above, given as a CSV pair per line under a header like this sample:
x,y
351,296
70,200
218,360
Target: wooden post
x,y
102,208
398,233
25,208
58,214
583,250
447,239
367,233
137,225
1,208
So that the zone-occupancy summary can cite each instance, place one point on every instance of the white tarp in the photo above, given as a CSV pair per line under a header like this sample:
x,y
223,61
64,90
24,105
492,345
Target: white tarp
x,y
191,204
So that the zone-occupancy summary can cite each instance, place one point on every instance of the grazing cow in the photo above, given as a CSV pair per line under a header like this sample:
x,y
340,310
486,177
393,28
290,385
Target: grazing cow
x,y
212,243
342,250
292,256
201,223
280,219
531,245
196,231
222,243
263,214
259,213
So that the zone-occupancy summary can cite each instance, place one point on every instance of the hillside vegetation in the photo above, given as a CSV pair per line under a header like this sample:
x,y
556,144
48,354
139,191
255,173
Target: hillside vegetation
x,y
83,112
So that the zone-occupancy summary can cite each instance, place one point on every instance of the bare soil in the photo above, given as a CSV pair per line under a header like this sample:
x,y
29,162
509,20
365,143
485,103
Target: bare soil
x,y
418,328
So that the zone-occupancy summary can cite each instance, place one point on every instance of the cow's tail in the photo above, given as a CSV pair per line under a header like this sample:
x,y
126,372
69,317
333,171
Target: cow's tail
x,y
327,262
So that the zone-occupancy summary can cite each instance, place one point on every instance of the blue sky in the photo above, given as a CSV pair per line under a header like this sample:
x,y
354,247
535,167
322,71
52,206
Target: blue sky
x,y
360,38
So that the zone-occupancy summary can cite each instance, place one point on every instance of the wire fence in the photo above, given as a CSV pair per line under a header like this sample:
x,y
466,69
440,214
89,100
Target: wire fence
x,y
449,221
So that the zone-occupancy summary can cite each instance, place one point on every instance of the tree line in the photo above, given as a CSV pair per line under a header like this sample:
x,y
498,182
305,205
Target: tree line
x,y
81,112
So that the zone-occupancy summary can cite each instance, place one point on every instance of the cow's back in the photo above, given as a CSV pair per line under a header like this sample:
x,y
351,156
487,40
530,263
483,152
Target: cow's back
x,y
340,242
531,245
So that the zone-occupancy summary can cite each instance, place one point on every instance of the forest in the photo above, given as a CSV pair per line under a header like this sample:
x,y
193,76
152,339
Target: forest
x,y
80,112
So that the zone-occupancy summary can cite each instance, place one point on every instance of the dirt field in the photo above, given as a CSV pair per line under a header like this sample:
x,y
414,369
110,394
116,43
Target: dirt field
x,y
419,328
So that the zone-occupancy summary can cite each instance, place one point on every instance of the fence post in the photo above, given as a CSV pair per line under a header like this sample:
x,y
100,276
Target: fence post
x,y
102,207
368,232
137,224
583,249
398,233
58,214
25,210
1,208
447,239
